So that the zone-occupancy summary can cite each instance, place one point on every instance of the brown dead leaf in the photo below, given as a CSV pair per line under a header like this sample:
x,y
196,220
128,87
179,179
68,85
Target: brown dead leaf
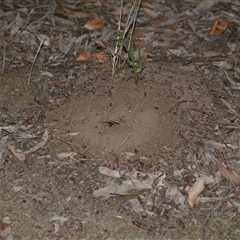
x,y
124,57
120,11
174,26
220,25
205,4
94,25
83,56
138,44
137,34
147,53
17,152
226,174
196,189
148,5
3,225
100,57
229,204
3,43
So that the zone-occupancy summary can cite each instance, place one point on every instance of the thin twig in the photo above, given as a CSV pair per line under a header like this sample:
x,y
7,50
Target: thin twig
x,y
54,124
86,149
4,58
132,20
71,144
39,47
130,134
118,49
86,159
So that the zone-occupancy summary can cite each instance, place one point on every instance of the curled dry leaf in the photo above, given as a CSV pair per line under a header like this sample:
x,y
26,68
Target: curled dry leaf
x,y
64,155
147,53
95,24
40,144
100,57
5,229
83,56
120,11
138,44
148,5
226,174
3,225
17,152
196,189
138,34
205,4
174,26
219,26
3,43
109,172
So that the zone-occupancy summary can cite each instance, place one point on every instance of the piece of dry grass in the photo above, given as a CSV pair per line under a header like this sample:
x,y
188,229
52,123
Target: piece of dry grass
x,y
121,40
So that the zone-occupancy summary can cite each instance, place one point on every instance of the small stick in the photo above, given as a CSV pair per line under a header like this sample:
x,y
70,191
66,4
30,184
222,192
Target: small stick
x,y
130,134
39,47
86,159
118,49
131,21
87,148
4,58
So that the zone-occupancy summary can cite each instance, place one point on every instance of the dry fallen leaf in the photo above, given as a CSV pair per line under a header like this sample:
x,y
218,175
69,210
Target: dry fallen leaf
x,y
221,25
120,11
40,144
147,53
56,227
148,5
196,189
109,172
226,174
3,43
17,153
206,4
138,34
100,57
83,56
223,64
3,225
95,24
5,229
174,26
229,204
64,155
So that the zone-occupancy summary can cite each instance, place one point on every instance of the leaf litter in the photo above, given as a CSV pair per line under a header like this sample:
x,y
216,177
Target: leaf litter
x,y
202,36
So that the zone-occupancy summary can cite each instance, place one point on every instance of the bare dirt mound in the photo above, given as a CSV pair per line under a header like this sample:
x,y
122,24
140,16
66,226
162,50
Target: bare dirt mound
x,y
121,117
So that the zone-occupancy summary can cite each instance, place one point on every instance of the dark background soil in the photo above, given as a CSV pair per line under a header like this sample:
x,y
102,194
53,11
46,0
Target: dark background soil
x,y
165,121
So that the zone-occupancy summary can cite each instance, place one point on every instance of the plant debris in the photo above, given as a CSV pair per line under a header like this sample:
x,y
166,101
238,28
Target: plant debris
x,y
87,154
